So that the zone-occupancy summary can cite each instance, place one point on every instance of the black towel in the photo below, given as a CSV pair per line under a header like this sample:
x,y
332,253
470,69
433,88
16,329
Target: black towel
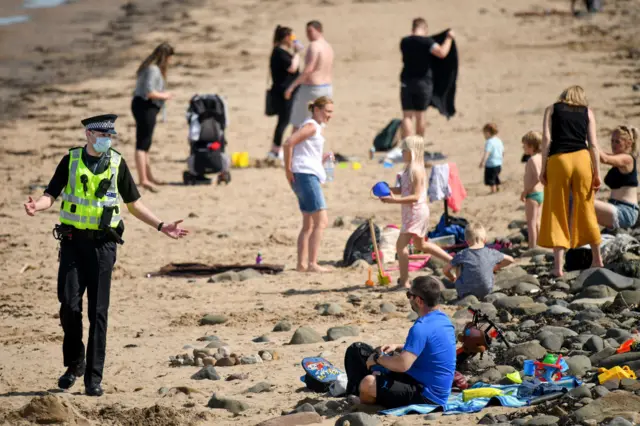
x,y
445,75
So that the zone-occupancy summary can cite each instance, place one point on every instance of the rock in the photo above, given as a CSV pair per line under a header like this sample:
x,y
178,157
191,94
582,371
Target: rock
x,y
477,364
467,301
543,421
260,387
602,276
305,335
512,302
47,409
611,385
335,333
207,373
591,313
231,405
491,298
610,405
492,375
510,273
329,309
600,391
266,355
262,339
387,307
560,331
237,376
580,304
627,298
224,351
631,385
530,350
532,308
485,307
282,326
208,361
619,421
199,363
358,419
224,277
527,324
557,295
305,408
505,317
216,345
295,419
526,288
580,392
550,341
618,334
597,292
203,353
213,319
251,359
208,338
594,344
630,358
598,357
539,259
560,311
248,274
511,284
519,224
226,362
360,265
578,365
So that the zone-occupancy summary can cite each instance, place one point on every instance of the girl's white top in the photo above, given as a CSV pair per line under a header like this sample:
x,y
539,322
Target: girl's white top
x,y
307,155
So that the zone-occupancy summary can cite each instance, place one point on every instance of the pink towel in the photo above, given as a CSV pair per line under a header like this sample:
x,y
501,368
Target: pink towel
x,y
458,193
413,266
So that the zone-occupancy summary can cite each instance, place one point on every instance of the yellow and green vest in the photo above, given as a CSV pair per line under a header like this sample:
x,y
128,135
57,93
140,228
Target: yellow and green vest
x,y
82,209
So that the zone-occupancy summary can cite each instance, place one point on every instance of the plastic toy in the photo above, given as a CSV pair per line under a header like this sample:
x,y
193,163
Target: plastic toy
x,y
615,373
383,277
629,346
549,370
369,282
381,189
477,336
259,258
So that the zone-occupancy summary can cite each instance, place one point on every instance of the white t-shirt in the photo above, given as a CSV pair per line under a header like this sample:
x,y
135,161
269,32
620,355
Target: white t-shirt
x,y
307,155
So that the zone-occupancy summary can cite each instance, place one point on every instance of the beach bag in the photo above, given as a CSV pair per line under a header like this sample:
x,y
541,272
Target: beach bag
x,y
360,246
355,365
386,139
319,374
578,259
456,227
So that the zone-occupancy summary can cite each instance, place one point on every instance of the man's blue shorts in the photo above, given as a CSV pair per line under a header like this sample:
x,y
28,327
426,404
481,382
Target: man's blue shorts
x,y
309,192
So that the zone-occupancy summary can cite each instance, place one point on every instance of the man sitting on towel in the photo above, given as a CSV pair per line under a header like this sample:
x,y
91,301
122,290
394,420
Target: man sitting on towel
x,y
421,371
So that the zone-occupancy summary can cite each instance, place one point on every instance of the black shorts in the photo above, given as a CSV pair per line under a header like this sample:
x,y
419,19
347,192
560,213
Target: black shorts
x,y
395,390
492,175
144,112
415,95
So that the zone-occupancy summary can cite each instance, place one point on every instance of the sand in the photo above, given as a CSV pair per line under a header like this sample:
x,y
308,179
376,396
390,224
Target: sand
x,y
511,68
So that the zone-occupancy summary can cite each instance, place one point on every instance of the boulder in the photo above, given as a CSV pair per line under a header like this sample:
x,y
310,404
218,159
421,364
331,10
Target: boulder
x,y
512,302
626,298
632,359
610,405
532,308
304,335
358,419
231,405
597,292
530,350
602,276
578,365
335,333
213,319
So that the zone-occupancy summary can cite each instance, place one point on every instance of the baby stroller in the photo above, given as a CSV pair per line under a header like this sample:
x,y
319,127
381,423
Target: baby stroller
x,y
207,119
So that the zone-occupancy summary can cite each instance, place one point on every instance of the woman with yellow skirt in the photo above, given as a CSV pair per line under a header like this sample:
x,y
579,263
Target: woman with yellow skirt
x,y
570,168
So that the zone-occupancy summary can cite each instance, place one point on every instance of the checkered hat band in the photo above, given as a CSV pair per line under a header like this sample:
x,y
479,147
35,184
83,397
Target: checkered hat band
x,y
108,125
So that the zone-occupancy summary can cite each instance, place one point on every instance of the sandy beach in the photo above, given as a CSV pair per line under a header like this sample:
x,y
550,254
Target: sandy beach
x,y
68,63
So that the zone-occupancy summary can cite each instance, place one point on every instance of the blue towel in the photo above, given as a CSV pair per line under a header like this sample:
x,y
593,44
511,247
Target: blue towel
x,y
455,404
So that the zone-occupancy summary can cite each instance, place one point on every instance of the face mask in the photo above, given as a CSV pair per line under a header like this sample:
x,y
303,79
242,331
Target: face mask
x,y
102,144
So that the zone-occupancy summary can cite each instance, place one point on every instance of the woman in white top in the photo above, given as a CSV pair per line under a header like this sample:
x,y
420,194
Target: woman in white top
x,y
303,157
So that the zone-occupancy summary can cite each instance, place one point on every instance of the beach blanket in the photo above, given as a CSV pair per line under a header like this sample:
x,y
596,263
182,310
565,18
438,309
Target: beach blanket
x,y
456,404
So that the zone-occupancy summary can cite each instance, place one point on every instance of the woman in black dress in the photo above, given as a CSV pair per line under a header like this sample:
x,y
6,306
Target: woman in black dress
x,y
284,64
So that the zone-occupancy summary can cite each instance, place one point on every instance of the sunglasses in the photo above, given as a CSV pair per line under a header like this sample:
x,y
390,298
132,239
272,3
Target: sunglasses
x,y
411,295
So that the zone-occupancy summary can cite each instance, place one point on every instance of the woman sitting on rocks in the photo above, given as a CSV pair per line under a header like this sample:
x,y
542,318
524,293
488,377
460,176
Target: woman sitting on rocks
x,y
621,211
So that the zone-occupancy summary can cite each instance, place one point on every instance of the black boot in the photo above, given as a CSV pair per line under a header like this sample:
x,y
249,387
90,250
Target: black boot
x,y
68,379
94,390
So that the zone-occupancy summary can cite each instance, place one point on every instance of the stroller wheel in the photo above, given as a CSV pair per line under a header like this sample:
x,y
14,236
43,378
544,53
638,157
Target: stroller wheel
x,y
224,177
188,178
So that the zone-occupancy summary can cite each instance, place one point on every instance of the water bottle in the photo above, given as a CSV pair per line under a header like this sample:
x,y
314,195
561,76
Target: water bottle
x,y
329,166
259,258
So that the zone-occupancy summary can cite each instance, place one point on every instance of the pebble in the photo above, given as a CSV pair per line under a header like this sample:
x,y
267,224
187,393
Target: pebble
x,y
580,392
560,311
619,421
592,313
231,405
329,309
512,302
213,319
262,339
266,355
558,295
594,344
600,391
251,359
224,351
530,350
260,387
295,419
282,326
335,333
602,276
561,331
550,341
618,334
208,338
207,373
358,419
543,420
526,288
224,277
305,408
467,301
528,324
533,308
578,365
216,344
305,335
610,405
237,376
491,298
627,298
597,292
226,362
387,307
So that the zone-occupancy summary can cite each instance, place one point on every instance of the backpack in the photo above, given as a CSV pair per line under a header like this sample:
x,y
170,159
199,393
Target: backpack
x,y
456,227
355,364
360,246
319,374
385,140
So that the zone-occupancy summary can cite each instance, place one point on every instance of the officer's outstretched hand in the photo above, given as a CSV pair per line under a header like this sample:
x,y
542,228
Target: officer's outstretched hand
x,y
30,207
173,230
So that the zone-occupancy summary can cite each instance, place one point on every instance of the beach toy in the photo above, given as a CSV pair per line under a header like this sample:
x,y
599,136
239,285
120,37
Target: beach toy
x,y
615,373
529,367
549,370
235,156
356,166
369,282
628,346
383,277
514,377
469,394
259,258
243,159
381,189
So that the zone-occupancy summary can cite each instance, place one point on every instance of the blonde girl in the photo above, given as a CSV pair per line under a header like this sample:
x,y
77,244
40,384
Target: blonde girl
x,y
415,211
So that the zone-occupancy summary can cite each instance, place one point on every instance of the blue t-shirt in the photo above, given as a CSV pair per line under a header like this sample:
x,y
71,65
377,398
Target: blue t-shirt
x,y
432,338
495,148
476,275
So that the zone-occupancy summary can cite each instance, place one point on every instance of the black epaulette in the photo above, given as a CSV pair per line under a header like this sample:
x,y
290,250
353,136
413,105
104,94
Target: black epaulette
x,y
117,152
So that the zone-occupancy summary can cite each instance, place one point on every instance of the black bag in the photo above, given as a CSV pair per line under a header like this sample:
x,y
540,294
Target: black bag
x,y
384,140
578,259
270,107
360,245
355,365
206,158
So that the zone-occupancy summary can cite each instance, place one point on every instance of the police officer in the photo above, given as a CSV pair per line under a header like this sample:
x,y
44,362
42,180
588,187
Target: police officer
x,y
90,180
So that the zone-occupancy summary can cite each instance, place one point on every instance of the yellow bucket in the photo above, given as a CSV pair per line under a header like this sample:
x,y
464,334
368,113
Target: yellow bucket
x,y
243,159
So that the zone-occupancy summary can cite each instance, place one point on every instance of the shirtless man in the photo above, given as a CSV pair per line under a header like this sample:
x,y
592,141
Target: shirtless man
x,y
315,80
416,80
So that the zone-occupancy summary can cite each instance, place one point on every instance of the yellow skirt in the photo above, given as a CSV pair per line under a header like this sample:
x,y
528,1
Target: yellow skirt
x,y
569,173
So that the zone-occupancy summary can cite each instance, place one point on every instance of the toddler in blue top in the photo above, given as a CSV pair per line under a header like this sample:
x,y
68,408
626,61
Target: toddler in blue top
x,y
492,157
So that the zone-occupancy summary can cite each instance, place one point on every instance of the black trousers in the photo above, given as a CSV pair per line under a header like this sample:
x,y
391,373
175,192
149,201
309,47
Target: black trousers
x,y
85,265
283,106
145,113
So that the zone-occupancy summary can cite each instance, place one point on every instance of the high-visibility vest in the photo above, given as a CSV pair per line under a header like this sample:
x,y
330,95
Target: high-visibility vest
x,y
80,207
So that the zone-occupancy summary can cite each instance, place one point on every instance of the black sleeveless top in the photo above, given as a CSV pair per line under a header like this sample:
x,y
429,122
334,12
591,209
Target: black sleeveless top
x,y
615,179
569,124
